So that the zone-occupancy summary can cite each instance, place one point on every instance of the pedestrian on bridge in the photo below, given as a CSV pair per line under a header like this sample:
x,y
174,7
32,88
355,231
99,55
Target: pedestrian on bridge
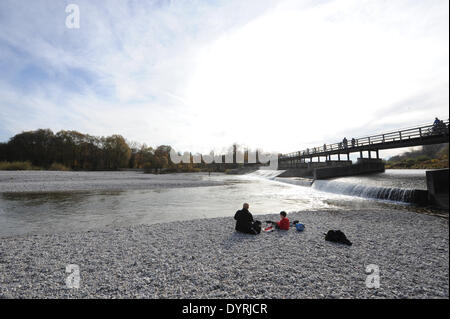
x,y
439,127
345,142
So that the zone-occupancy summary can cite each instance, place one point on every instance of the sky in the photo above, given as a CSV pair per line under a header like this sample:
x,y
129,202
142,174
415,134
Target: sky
x,y
200,75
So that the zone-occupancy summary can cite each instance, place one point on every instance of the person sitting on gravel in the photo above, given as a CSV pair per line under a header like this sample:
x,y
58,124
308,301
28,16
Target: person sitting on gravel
x,y
245,223
283,224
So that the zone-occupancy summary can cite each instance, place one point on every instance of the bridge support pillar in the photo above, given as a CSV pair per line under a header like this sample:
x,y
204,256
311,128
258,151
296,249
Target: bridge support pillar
x,y
370,154
361,154
378,154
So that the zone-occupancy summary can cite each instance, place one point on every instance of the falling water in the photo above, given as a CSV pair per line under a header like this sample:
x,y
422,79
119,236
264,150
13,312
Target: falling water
x,y
394,185
266,173
367,191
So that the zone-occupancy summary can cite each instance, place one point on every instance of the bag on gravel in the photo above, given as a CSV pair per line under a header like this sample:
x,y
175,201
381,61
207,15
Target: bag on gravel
x,y
256,226
338,237
268,229
299,226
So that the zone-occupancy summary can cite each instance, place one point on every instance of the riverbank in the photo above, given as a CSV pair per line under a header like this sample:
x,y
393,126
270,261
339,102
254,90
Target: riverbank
x,y
207,259
57,181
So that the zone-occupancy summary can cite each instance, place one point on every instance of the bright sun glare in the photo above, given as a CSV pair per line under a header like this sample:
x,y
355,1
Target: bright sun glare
x,y
313,72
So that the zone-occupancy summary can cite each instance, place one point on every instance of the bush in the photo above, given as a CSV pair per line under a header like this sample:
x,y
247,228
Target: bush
x,y
148,169
16,166
422,158
58,167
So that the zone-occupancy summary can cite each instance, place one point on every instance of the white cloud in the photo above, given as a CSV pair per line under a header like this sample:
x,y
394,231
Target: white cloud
x,y
282,75
292,78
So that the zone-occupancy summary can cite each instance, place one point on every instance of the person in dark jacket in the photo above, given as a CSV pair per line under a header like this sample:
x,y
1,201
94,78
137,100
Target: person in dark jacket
x,y
245,223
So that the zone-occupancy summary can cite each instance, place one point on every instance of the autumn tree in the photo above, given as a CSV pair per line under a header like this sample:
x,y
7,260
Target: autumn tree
x,y
117,153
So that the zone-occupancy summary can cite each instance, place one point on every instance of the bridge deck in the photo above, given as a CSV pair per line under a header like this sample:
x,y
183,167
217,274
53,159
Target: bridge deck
x,y
416,136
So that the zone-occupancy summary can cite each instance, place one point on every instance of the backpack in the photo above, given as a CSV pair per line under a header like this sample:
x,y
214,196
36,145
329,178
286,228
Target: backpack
x,y
299,227
338,237
256,226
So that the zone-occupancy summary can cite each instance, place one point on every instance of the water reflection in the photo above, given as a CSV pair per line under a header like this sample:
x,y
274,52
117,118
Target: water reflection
x,y
57,198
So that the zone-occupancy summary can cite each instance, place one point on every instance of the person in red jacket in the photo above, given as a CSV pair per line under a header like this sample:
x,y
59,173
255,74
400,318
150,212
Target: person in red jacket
x,y
283,224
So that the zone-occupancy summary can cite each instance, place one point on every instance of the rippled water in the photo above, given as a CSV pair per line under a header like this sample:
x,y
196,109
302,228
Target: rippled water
x,y
395,185
400,178
28,212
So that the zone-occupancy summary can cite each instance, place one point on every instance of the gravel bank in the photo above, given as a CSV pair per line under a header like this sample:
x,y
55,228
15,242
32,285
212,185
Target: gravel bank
x,y
53,181
206,258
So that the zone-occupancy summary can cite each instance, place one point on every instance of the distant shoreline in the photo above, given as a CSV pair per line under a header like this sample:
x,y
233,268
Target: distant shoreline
x,y
57,181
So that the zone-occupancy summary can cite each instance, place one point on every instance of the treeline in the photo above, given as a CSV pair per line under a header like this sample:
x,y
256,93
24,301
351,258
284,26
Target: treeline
x,y
69,148
43,149
429,157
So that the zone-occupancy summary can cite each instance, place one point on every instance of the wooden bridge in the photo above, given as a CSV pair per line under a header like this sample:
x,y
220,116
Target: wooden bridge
x,y
415,136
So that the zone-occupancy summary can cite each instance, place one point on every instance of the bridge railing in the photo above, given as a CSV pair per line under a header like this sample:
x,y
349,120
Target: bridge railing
x,y
393,136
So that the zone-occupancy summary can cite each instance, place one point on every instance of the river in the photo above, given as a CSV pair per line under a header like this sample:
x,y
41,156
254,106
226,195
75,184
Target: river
x,y
49,202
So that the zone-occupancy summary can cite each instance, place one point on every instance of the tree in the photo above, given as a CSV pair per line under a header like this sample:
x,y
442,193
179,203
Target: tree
x,y
35,146
117,152
3,152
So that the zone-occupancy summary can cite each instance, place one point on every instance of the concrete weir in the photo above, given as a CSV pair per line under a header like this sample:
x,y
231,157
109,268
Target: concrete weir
x,y
437,184
306,174
330,169
437,193
362,166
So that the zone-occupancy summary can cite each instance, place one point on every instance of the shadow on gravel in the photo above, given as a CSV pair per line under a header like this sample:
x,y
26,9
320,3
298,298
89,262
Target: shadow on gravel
x,y
239,238
338,245
279,233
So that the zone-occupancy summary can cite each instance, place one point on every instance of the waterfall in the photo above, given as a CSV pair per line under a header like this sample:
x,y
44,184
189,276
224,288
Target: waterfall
x,y
350,188
377,192
266,173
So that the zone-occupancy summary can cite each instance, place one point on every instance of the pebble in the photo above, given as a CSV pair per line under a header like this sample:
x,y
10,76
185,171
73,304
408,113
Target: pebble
x,y
207,259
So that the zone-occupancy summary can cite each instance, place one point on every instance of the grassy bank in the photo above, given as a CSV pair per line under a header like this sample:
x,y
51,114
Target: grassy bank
x,y
17,166
429,157
27,166
418,164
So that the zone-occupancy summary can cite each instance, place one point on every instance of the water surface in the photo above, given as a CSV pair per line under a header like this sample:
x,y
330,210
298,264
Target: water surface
x,y
35,212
